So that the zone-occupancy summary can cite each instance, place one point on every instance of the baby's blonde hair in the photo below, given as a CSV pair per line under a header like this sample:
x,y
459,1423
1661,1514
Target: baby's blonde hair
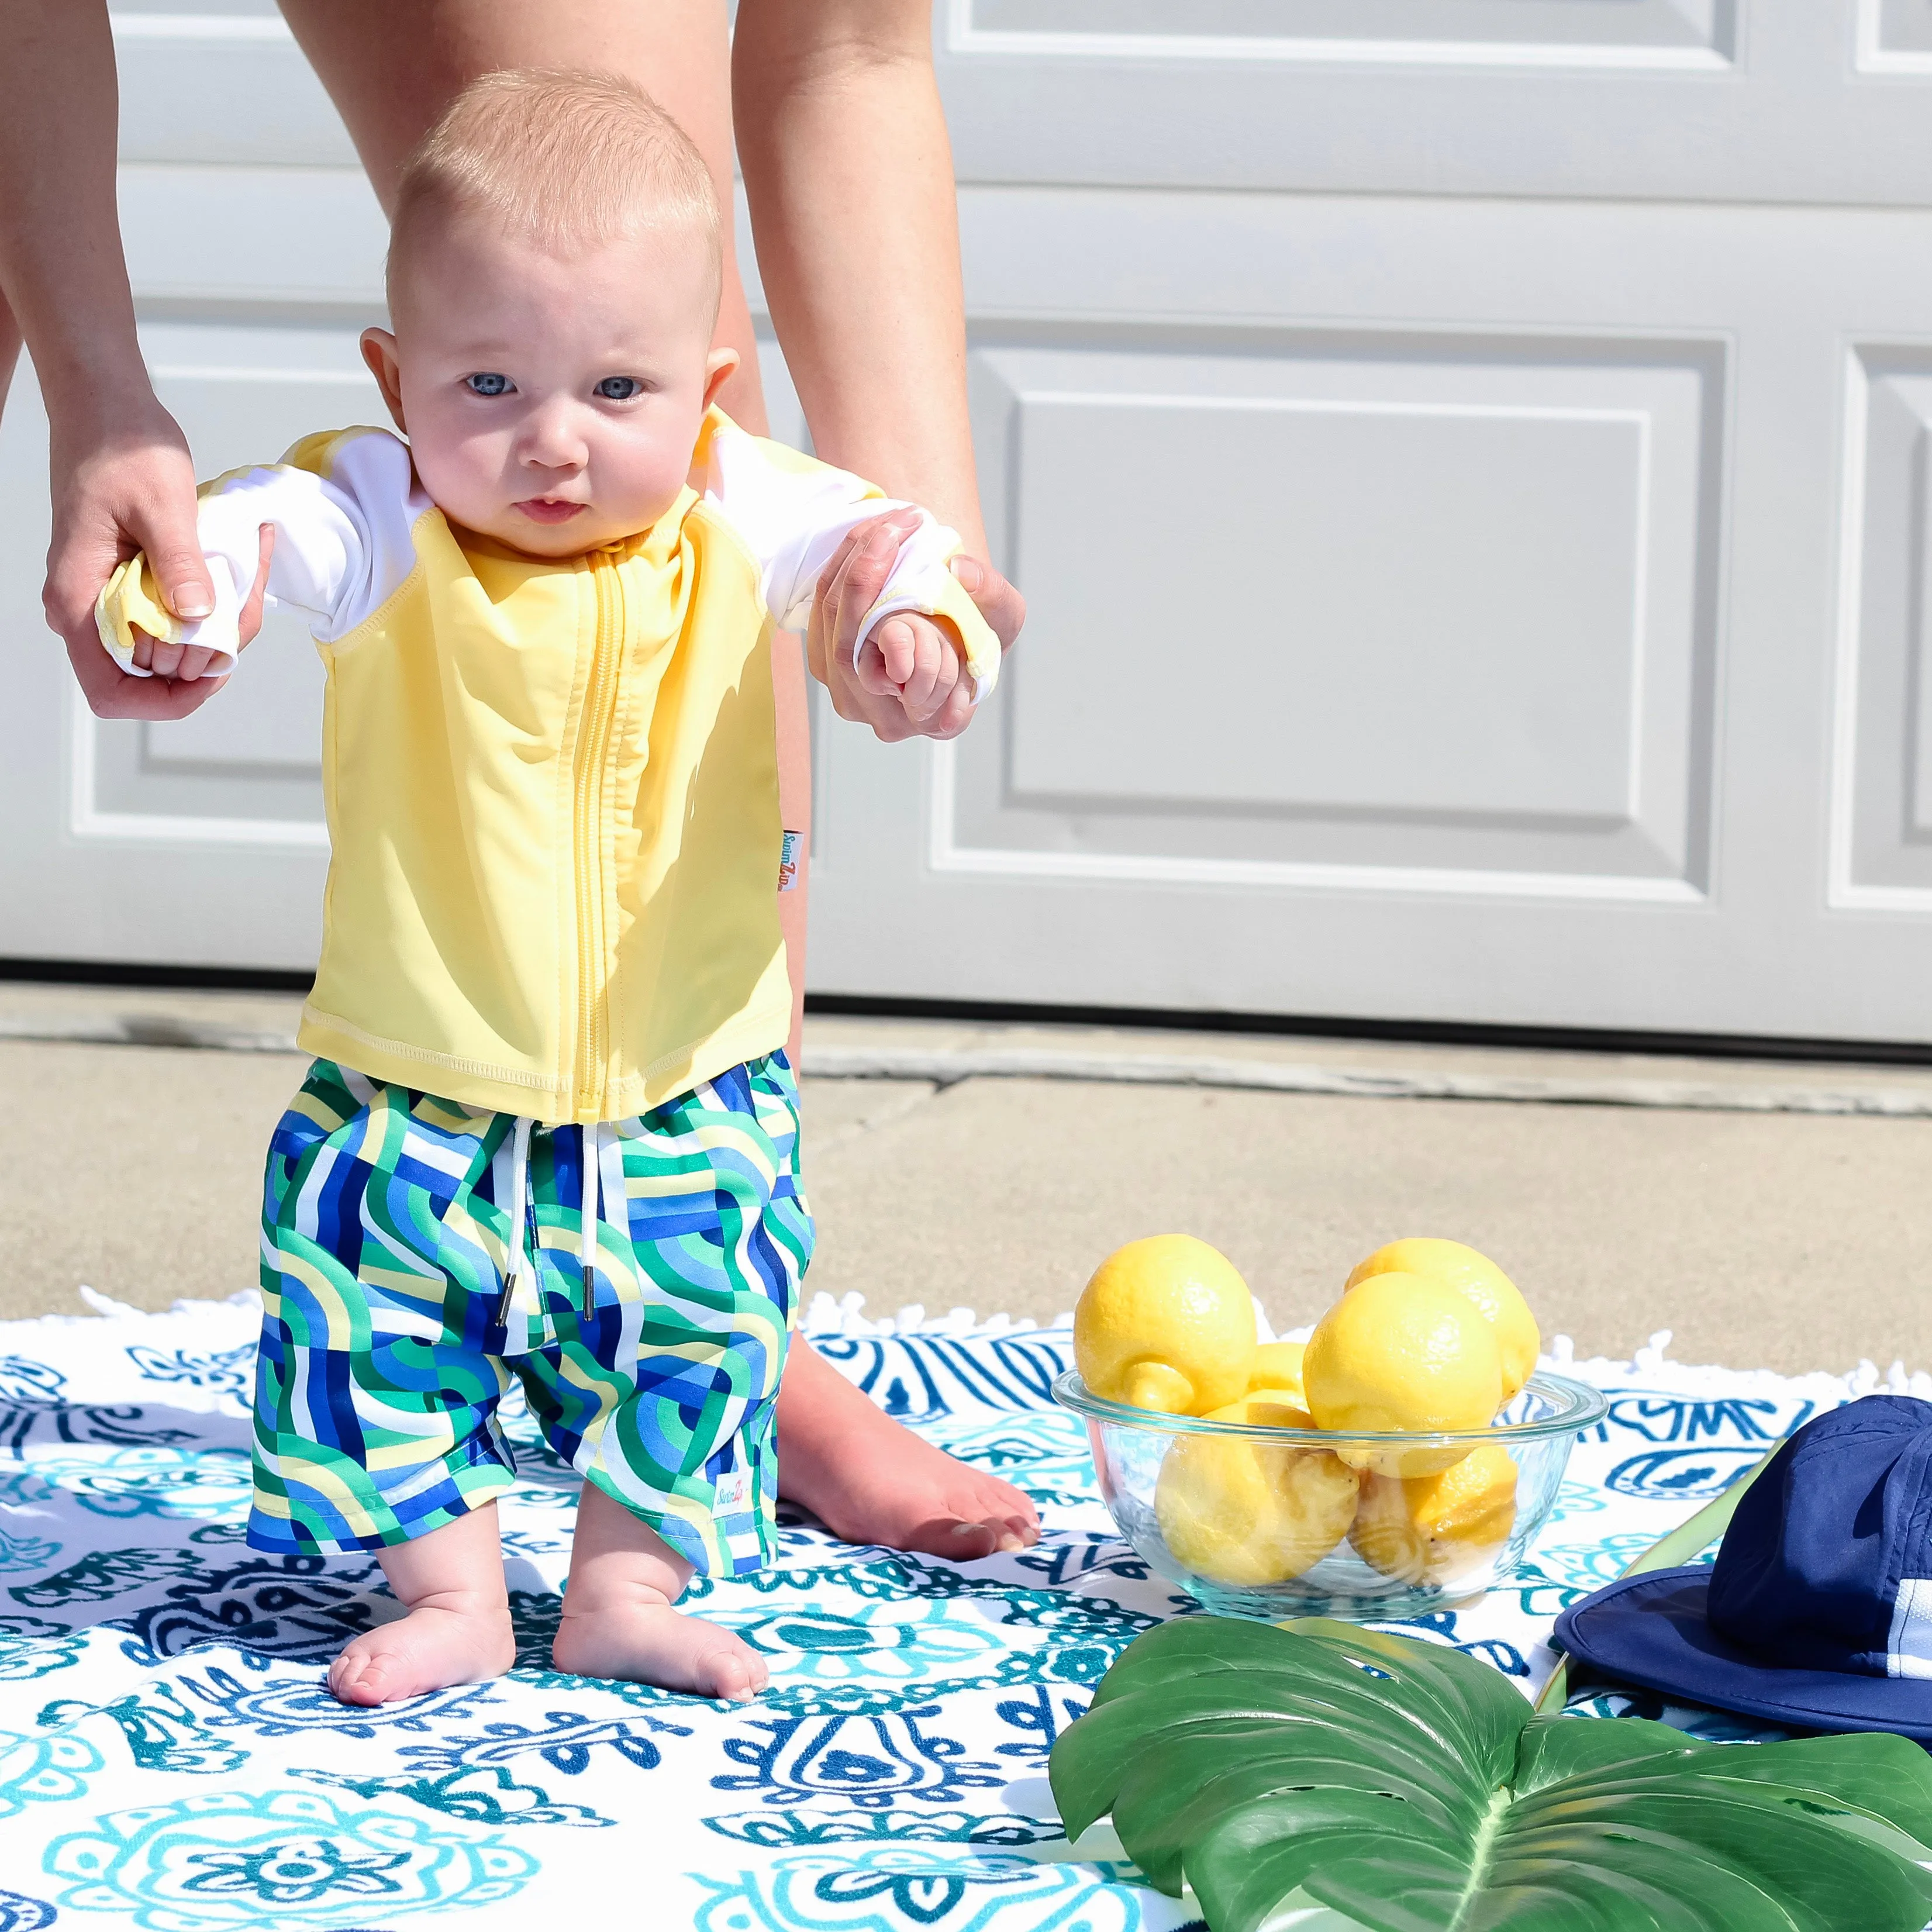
x,y
566,159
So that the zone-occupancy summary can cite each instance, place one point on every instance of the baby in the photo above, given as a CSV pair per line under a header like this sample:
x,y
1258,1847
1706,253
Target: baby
x,y
550,1132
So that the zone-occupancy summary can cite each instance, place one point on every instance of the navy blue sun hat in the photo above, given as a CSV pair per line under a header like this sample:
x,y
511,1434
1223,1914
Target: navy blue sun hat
x,y
1817,1614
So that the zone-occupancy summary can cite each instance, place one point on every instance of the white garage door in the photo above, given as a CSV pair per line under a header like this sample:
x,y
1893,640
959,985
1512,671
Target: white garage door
x,y
1466,457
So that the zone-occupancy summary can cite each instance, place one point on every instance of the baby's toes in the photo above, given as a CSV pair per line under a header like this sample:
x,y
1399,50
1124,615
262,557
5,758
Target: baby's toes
x,y
736,1672
357,1677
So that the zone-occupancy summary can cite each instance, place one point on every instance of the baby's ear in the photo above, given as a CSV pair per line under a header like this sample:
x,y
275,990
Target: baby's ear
x,y
720,366
378,351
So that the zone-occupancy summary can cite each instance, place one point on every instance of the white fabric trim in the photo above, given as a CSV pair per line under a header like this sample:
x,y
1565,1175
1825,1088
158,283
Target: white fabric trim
x,y
793,518
344,542
1909,1648
521,1268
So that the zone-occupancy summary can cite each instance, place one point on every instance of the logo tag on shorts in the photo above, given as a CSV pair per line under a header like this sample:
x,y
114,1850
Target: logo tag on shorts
x,y
734,1491
790,845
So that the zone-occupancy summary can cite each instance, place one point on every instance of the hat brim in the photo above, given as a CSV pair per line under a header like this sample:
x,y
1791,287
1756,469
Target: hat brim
x,y
1653,1631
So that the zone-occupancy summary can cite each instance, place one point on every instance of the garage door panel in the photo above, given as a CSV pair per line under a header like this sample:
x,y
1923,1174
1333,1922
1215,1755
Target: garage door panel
x,y
1441,605
1353,29
1883,797
1669,100
1895,36
223,82
267,723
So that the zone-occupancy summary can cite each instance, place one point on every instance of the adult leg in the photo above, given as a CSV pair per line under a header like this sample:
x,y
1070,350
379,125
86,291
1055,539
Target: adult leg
x,y
10,349
848,174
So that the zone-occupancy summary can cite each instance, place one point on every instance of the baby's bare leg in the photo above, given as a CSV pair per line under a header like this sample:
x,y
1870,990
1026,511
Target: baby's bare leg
x,y
618,1621
458,1629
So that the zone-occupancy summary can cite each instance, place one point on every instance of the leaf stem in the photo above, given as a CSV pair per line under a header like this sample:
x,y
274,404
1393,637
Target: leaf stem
x,y
1501,1799
1674,1547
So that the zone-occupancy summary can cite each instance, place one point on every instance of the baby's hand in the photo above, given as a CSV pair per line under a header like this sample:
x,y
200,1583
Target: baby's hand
x,y
920,661
182,662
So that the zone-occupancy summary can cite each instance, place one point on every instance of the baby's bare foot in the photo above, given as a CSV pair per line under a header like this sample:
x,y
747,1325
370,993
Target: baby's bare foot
x,y
430,1649
652,1643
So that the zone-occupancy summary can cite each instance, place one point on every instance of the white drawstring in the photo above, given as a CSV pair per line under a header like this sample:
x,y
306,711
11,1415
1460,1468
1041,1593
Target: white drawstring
x,y
586,1249
521,1267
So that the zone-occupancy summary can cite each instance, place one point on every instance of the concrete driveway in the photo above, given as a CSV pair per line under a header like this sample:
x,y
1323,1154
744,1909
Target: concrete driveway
x,y
1766,1237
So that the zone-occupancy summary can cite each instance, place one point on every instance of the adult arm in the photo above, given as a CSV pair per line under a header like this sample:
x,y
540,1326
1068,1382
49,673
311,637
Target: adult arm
x,y
848,178
121,477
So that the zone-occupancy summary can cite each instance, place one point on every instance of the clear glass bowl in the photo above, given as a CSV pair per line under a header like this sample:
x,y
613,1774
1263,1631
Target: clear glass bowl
x,y
1131,1447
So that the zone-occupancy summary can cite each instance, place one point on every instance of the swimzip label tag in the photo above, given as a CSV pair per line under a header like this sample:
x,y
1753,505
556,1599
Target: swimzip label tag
x,y
789,846
734,1492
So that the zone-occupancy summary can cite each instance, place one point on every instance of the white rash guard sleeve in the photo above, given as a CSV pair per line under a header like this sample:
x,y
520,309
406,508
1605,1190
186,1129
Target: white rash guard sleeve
x,y
344,543
792,513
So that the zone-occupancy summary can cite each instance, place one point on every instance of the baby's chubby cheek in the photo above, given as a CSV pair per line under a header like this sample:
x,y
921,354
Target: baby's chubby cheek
x,y
462,466
465,477
634,480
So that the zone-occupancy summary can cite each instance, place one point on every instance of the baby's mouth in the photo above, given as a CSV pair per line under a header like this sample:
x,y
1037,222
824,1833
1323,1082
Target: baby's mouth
x,y
549,509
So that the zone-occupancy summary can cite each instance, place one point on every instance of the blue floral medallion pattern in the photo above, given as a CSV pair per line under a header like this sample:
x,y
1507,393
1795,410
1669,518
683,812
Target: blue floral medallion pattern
x,y
170,1761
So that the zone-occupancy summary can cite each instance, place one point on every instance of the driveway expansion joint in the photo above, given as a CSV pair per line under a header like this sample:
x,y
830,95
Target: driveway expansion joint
x,y
941,1068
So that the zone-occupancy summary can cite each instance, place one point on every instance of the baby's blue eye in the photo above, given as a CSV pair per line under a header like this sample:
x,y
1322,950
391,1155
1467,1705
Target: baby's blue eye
x,y
619,388
489,383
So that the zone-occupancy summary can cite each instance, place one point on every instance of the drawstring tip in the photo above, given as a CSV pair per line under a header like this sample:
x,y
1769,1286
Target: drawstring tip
x,y
592,1159
504,1302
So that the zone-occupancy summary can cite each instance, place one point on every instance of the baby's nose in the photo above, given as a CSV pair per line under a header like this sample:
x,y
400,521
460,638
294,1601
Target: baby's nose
x,y
551,440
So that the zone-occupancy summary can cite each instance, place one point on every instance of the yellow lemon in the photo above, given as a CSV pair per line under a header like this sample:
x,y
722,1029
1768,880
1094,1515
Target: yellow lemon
x,y
1166,1323
1478,1277
1277,1369
1266,1408
1243,1512
1402,1352
1433,1529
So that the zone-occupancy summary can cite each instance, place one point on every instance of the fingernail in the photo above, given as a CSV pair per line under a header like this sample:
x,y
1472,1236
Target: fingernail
x,y
192,602
1009,1541
966,569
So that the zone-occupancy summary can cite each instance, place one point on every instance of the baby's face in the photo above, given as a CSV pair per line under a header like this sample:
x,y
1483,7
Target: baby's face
x,y
551,403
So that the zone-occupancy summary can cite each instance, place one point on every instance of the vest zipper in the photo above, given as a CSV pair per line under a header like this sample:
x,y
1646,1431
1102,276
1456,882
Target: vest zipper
x,y
600,709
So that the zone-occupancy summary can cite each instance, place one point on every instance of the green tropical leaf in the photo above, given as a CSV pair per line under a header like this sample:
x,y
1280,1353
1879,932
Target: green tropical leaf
x,y
1406,1787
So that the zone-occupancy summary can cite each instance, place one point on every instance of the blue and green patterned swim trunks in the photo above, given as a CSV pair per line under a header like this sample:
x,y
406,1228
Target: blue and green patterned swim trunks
x,y
417,1254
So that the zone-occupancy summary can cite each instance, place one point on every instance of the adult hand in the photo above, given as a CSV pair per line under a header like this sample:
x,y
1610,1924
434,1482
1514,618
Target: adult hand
x,y
850,585
121,486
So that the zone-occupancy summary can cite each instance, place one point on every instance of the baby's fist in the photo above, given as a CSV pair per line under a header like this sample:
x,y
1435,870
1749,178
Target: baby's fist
x,y
921,663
